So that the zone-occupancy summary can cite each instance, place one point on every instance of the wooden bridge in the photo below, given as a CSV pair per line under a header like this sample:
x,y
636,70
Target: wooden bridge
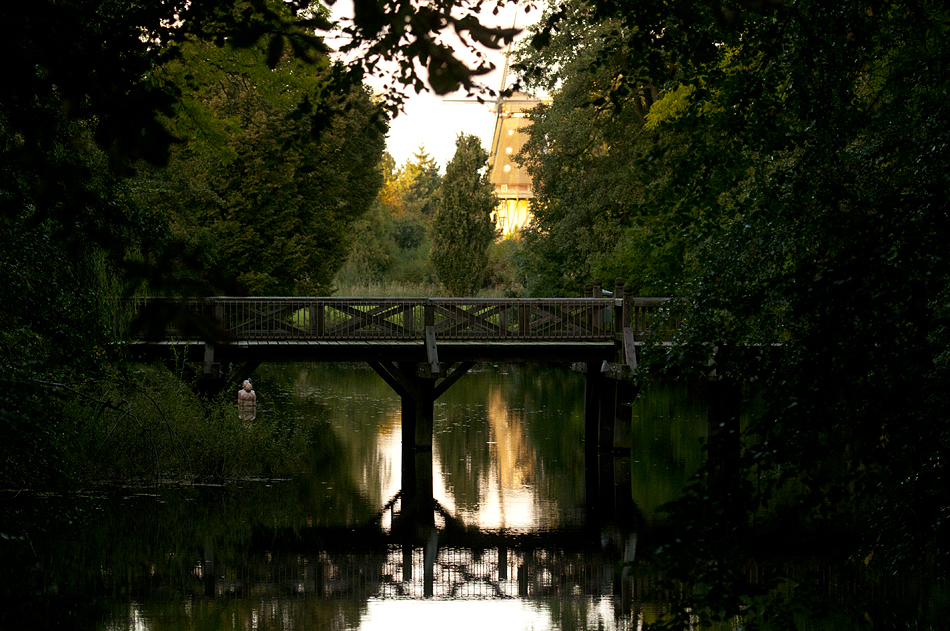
x,y
433,331
419,346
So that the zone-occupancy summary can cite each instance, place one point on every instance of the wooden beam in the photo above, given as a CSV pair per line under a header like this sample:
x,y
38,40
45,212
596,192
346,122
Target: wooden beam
x,y
432,349
629,348
395,378
243,372
454,376
209,358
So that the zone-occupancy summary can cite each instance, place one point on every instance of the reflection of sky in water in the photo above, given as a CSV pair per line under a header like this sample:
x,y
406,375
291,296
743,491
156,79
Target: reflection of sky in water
x,y
502,461
438,615
509,499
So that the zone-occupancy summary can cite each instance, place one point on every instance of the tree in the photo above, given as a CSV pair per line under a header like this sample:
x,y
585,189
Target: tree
x,y
463,228
413,192
85,105
417,181
798,149
595,213
391,244
270,206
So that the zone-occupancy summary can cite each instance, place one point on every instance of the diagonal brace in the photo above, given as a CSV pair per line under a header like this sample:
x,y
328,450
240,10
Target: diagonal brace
x,y
456,374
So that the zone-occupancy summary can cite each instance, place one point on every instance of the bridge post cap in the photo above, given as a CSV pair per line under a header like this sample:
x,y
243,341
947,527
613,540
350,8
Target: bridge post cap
x,y
627,289
598,281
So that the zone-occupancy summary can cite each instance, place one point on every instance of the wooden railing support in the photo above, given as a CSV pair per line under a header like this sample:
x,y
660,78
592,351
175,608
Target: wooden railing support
x,y
524,320
318,319
344,319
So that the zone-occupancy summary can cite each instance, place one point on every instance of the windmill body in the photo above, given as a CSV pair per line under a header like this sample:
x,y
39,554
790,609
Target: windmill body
x,y
511,181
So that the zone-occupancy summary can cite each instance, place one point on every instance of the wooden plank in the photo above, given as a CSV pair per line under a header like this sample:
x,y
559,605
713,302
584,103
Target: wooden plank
x,y
432,350
629,348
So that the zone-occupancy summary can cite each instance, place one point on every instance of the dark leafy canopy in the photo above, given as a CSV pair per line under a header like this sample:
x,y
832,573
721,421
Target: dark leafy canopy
x,y
266,204
437,35
462,228
582,154
86,101
801,154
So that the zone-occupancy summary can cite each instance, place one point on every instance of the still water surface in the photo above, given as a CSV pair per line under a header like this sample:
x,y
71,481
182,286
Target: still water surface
x,y
521,538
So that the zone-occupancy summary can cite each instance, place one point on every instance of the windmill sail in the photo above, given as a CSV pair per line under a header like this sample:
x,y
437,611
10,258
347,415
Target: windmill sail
x,y
511,181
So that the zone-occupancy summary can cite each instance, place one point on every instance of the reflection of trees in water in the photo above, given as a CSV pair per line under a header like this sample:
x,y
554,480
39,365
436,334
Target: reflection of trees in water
x,y
494,430
330,589
669,425
515,458
362,418
221,559
500,427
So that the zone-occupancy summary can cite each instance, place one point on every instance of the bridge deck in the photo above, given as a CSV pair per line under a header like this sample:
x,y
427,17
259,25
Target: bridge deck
x,y
451,351
390,329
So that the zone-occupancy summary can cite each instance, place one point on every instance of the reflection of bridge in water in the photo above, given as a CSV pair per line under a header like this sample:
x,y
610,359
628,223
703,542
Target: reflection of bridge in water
x,y
419,346
422,346
393,560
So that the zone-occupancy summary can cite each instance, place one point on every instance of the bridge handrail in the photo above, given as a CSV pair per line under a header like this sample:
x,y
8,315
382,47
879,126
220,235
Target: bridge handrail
x,y
227,318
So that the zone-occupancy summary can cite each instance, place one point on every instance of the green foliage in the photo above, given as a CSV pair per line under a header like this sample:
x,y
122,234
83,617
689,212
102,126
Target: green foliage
x,y
99,93
416,183
503,274
150,427
791,185
435,36
268,201
372,252
391,243
463,228
596,210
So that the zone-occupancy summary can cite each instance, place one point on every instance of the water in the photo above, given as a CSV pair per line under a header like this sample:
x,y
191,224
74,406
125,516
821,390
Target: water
x,y
516,540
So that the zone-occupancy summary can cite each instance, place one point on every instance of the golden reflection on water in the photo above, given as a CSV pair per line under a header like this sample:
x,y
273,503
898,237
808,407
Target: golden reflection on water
x,y
491,469
507,497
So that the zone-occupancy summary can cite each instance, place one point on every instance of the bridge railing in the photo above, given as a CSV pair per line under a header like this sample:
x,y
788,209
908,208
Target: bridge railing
x,y
646,315
391,319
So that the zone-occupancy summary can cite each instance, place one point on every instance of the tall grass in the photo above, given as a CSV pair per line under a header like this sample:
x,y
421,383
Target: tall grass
x,y
393,289
148,426
387,289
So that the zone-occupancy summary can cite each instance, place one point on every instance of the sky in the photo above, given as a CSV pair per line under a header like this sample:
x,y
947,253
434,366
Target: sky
x,y
434,121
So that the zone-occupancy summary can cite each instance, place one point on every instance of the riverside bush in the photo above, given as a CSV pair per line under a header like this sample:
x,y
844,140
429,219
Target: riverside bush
x,y
149,426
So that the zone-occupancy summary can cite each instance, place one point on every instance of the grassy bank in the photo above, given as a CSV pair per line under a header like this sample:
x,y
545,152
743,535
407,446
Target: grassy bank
x,y
404,290
148,426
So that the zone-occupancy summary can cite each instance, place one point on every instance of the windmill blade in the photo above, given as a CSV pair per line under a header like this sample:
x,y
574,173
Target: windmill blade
x,y
501,90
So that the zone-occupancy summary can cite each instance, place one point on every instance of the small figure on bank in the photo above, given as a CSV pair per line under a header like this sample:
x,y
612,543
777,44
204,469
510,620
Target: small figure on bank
x,y
247,402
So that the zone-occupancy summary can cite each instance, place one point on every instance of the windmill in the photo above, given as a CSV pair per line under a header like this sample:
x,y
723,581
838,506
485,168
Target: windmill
x,y
512,183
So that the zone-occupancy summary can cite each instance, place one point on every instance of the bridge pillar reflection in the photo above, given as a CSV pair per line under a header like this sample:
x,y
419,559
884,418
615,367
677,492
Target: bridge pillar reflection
x,y
608,395
419,385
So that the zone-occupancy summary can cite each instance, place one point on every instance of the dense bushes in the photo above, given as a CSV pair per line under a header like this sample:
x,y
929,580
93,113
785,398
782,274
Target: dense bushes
x,y
151,427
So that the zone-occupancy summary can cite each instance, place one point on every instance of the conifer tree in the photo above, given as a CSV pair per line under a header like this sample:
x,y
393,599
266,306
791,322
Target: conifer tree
x,y
463,227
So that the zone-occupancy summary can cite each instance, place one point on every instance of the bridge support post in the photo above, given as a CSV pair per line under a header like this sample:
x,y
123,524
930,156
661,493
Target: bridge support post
x,y
614,414
425,412
608,414
626,392
418,388
593,392
607,419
